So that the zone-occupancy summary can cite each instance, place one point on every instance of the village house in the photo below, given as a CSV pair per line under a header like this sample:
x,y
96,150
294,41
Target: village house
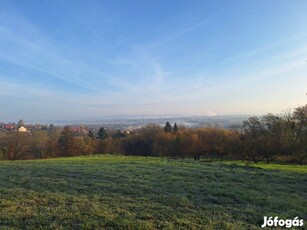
x,y
9,127
22,129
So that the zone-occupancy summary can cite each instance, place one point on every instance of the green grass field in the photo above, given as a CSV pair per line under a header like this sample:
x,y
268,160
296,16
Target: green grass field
x,y
119,192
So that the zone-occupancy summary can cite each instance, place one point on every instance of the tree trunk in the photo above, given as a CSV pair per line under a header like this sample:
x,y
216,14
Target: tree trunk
x,y
302,161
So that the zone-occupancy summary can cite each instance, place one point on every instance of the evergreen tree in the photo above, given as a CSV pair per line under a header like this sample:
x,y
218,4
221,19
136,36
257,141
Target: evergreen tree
x,y
102,133
175,129
20,123
167,127
91,134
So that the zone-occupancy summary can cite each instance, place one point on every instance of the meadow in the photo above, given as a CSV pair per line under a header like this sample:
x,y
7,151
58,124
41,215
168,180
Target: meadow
x,y
129,192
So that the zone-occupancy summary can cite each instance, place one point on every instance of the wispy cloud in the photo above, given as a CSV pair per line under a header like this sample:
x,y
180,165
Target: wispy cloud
x,y
101,70
34,51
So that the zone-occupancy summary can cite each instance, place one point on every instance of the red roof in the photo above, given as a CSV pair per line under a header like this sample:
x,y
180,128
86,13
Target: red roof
x,y
9,126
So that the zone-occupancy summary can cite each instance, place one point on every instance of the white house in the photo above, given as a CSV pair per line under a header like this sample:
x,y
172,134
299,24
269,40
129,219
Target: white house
x,y
22,129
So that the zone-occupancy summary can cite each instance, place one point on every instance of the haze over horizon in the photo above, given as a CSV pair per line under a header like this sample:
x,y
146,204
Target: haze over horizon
x,y
70,60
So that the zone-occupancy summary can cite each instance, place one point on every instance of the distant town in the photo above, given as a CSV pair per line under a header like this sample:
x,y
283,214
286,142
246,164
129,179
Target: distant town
x,y
128,124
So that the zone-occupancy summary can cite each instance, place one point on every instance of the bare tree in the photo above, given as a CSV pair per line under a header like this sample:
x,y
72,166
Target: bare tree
x,y
300,141
18,145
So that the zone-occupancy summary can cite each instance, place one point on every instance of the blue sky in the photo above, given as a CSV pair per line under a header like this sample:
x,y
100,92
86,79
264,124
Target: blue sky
x,y
73,59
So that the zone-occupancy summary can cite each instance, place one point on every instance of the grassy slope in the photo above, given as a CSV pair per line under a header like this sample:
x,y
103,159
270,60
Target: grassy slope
x,y
146,193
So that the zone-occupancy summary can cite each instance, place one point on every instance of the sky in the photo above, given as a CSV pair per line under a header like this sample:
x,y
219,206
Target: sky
x,y
88,59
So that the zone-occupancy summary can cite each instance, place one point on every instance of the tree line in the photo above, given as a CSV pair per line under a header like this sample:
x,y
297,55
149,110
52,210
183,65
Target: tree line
x,y
265,138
